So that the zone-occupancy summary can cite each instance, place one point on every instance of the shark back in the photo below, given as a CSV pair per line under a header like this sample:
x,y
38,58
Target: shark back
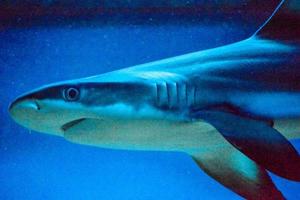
x,y
258,75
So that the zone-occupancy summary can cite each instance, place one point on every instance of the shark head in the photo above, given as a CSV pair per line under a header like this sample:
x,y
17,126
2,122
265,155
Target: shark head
x,y
58,107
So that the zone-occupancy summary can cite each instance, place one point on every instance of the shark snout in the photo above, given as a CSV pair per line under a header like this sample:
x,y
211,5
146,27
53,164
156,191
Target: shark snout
x,y
21,109
28,104
41,114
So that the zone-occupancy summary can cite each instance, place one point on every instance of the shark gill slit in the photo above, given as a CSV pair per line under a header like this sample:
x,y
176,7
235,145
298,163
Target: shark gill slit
x,y
186,94
165,94
168,90
190,96
194,97
157,94
177,95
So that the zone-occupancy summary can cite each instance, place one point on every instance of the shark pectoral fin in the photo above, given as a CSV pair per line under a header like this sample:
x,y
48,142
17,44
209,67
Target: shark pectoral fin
x,y
258,141
237,172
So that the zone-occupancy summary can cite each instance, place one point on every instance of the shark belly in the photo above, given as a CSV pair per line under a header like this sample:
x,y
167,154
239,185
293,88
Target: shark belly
x,y
145,134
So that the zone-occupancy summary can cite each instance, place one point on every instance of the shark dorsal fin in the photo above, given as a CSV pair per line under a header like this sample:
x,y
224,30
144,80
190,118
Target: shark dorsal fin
x,y
282,25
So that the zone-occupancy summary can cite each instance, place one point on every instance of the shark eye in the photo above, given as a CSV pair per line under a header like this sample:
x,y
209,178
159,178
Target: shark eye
x,y
71,94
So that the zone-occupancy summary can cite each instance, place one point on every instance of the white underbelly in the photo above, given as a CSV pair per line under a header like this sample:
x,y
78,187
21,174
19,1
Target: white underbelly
x,y
162,135
145,134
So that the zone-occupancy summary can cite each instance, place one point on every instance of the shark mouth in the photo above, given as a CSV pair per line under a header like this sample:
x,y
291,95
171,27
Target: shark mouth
x,y
71,124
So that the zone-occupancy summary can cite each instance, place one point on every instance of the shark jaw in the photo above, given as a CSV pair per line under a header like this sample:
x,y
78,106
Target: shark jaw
x,y
71,124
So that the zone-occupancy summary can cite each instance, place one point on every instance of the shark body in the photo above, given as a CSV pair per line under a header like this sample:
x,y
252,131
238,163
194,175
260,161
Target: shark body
x,y
223,106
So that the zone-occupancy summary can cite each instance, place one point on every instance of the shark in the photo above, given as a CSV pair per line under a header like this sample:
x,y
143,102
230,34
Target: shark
x,y
233,109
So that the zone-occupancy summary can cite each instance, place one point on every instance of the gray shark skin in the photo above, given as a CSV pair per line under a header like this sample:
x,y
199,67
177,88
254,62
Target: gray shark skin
x,y
232,108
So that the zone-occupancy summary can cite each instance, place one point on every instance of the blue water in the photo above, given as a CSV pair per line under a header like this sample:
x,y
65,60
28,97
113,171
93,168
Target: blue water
x,y
39,166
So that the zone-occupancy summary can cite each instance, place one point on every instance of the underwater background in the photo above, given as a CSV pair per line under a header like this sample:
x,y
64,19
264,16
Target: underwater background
x,y
48,41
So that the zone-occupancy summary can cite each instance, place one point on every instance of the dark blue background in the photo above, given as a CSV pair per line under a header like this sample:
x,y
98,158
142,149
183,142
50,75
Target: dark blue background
x,y
38,166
